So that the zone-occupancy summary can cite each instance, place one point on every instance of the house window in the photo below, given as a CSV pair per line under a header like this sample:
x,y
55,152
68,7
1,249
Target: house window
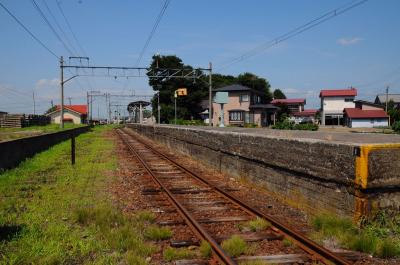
x,y
256,99
348,100
244,98
248,117
236,116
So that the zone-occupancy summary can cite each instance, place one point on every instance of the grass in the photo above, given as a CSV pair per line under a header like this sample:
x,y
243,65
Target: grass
x,y
254,262
205,249
15,133
378,236
234,246
55,213
154,232
171,254
257,224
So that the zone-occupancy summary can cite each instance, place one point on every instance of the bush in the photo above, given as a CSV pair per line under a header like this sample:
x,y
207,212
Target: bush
x,y
257,224
288,125
396,126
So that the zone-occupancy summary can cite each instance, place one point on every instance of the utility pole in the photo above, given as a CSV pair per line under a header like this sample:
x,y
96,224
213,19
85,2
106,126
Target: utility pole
x,y
175,96
387,97
34,105
210,109
51,102
69,99
62,93
158,106
109,107
87,107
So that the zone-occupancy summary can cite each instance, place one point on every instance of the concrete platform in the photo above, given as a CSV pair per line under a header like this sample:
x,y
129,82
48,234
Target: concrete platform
x,y
350,174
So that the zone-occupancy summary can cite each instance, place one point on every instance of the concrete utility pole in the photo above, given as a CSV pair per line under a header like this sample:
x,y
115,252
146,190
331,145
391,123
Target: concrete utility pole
x,y
69,99
34,105
175,96
387,97
210,109
158,106
62,93
87,107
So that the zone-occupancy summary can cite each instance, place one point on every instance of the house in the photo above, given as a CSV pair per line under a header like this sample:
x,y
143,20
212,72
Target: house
x,y
365,118
245,106
307,115
381,99
293,104
366,105
333,103
76,114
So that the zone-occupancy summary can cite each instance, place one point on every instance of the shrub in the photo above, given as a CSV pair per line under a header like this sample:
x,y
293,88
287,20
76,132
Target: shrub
x,y
396,126
234,246
306,126
364,242
288,125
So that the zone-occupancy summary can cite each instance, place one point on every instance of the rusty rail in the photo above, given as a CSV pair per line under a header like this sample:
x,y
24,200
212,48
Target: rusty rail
x,y
315,250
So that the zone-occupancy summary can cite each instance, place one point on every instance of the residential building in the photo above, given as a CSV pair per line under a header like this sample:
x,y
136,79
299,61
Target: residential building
x,y
294,104
363,118
381,99
366,105
245,106
76,114
333,103
305,116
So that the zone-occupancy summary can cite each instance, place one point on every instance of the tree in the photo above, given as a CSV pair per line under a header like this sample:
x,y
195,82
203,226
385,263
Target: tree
x,y
188,107
51,109
256,83
278,94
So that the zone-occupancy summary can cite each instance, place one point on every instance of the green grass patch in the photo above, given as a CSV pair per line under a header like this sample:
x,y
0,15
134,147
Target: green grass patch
x,y
287,243
378,236
257,224
145,216
205,249
171,254
234,246
55,213
154,232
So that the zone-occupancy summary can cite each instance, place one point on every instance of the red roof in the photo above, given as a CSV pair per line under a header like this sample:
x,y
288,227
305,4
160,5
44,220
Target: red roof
x,y
352,92
306,112
355,113
82,109
289,101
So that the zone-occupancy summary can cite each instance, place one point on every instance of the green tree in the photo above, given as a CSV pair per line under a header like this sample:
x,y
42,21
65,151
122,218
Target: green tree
x,y
51,109
278,94
257,83
188,107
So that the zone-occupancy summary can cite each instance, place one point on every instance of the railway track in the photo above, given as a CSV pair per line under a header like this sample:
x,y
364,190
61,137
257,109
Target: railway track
x,y
213,213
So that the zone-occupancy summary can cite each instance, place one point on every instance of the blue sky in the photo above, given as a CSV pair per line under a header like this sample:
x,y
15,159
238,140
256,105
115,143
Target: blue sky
x,y
358,48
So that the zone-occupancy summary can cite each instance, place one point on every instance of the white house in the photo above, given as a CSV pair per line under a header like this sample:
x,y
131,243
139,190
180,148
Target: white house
x,y
76,114
363,118
333,102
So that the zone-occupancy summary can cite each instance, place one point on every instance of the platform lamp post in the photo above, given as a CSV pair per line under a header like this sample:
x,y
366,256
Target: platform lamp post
x,y
179,92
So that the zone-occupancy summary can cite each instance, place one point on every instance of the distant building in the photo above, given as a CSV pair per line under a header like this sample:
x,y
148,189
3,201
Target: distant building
x,y
363,118
307,115
366,105
333,103
76,114
245,106
294,104
381,99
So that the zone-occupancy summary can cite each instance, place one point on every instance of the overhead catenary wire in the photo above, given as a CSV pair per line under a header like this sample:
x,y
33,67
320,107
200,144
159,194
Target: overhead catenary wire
x,y
153,30
29,32
51,27
292,33
59,27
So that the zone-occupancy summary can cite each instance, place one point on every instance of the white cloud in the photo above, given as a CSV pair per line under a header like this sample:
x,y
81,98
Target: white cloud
x,y
349,41
47,82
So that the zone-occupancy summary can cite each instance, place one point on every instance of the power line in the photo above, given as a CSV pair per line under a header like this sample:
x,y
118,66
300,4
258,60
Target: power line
x,y
158,19
296,31
28,31
50,26
70,28
59,27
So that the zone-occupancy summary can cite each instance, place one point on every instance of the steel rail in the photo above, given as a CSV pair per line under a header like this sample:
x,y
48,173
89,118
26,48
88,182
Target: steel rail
x,y
196,227
303,242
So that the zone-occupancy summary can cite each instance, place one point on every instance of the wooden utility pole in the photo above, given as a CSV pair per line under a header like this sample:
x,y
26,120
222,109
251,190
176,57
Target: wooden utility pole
x,y
210,109
62,93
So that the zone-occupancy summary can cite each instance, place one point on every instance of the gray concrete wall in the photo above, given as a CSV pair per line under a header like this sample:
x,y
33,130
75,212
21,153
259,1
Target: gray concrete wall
x,y
15,151
313,174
